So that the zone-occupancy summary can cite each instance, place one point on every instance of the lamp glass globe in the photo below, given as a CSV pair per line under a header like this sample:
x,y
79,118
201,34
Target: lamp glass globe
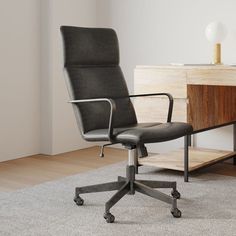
x,y
216,32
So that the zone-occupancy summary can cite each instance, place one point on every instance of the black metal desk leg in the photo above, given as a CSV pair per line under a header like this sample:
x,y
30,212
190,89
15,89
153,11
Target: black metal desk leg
x,y
189,141
186,161
234,134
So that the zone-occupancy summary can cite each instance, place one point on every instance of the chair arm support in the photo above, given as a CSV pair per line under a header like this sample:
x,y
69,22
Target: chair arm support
x,y
171,101
112,110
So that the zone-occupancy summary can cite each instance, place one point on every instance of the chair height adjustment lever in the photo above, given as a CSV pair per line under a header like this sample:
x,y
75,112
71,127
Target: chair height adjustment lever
x,y
102,149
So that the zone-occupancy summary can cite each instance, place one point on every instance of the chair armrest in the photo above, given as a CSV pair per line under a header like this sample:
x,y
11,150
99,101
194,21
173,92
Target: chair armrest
x,y
171,101
112,110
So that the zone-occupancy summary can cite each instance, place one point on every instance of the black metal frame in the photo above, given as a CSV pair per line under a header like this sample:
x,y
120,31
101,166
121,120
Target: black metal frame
x,y
186,157
170,97
112,111
112,104
187,143
234,137
129,185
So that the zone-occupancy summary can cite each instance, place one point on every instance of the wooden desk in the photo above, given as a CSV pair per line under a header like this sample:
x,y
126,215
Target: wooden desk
x,y
204,96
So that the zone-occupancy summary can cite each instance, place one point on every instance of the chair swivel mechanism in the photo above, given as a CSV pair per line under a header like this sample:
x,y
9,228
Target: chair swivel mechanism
x,y
104,112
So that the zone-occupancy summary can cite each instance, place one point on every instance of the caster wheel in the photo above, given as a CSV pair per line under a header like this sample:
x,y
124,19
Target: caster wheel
x,y
176,213
79,201
175,194
109,217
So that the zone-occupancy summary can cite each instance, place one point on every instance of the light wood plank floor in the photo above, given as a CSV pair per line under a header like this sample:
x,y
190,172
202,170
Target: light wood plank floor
x,y
32,170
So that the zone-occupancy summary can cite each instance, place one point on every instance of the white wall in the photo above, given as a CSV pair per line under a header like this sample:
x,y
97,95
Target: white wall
x,y
46,82
82,13
19,78
165,31
59,129
35,116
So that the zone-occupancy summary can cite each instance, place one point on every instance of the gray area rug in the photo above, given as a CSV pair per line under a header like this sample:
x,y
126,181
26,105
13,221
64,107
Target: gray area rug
x,y
208,207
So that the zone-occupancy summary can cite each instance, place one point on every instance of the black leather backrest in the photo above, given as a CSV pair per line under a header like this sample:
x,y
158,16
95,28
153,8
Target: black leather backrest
x,y
92,64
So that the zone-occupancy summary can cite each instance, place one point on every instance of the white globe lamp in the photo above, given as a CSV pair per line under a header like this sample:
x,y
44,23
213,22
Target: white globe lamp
x,y
216,33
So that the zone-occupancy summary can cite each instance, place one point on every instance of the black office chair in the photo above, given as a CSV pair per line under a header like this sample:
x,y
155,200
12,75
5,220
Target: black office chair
x,y
104,112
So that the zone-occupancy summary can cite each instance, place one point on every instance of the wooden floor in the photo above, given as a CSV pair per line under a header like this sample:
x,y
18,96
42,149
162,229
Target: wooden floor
x,y
32,170
29,171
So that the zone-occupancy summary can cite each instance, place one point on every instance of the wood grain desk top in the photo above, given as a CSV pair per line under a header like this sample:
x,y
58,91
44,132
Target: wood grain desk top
x,y
187,67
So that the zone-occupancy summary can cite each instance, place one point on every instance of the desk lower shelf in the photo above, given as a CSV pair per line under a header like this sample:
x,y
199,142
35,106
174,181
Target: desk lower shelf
x,y
198,158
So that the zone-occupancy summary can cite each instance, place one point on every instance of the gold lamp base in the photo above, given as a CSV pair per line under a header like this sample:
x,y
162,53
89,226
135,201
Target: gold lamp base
x,y
217,54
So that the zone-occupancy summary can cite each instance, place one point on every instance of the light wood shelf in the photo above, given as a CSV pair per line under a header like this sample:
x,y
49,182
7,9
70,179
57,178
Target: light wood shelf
x,y
198,158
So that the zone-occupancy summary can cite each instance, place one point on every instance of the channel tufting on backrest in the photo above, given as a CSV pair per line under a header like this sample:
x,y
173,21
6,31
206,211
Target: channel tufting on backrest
x,y
92,64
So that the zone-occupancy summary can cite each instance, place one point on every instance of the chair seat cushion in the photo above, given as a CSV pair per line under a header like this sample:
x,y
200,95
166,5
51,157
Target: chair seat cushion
x,y
143,133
